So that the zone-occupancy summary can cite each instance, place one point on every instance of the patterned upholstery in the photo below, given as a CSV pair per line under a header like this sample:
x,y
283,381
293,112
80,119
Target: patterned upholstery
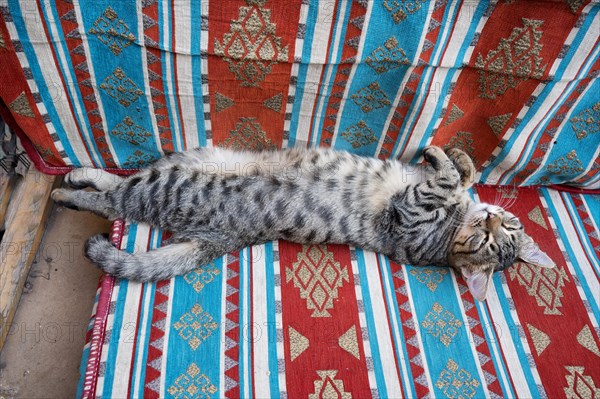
x,y
117,85
286,320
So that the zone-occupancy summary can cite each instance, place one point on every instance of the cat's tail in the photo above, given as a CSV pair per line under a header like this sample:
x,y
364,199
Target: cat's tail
x,y
158,264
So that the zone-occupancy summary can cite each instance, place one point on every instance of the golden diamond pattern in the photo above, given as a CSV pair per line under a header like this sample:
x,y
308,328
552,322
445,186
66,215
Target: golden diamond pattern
x,y
112,31
327,387
201,276
192,384
580,385
400,9
20,105
359,135
566,165
441,323
587,122
387,57
195,326
431,277
128,131
251,47
121,88
544,284
370,97
318,276
515,59
248,135
456,382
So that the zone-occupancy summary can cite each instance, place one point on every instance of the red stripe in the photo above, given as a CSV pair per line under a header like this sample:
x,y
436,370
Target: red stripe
x,y
323,324
249,89
479,101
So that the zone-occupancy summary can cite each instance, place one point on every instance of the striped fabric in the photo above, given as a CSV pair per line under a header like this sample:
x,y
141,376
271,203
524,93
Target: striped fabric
x,y
117,84
286,320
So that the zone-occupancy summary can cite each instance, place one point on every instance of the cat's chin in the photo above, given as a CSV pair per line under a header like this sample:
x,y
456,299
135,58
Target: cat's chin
x,y
481,211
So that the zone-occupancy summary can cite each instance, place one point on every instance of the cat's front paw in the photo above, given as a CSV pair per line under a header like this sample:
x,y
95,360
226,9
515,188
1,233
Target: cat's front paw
x,y
434,155
63,197
464,166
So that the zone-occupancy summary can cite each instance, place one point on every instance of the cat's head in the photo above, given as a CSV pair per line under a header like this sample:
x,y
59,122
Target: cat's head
x,y
491,239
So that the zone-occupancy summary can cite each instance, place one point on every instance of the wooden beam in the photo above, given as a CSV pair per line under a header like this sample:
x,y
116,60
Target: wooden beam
x,y
24,229
7,184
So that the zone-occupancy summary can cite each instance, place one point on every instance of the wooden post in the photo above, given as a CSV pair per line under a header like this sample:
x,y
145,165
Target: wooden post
x,y
24,227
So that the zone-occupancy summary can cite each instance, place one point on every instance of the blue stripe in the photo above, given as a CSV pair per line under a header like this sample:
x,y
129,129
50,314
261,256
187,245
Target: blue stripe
x,y
181,354
571,256
117,328
389,81
83,122
196,33
36,71
459,348
332,67
585,149
271,326
514,337
364,278
311,21
478,14
129,60
408,386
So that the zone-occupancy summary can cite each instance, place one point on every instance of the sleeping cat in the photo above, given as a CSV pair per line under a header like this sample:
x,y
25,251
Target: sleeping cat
x,y
216,201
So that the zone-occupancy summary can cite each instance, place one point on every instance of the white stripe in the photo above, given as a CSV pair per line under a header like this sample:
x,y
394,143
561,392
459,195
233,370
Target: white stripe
x,y
123,361
380,317
70,84
298,49
505,334
51,76
394,319
245,267
169,83
185,93
362,319
279,320
204,72
586,267
260,341
145,315
361,46
469,333
144,68
318,57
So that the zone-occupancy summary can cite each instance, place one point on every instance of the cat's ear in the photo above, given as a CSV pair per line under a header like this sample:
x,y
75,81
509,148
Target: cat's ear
x,y
478,282
532,254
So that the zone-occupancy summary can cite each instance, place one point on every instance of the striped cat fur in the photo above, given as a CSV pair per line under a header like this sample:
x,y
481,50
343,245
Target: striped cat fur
x,y
216,201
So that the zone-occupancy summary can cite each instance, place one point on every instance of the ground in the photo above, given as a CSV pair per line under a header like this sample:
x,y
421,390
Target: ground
x,y
42,354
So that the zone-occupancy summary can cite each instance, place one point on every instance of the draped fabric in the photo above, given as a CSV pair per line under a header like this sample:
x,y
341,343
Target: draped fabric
x,y
117,84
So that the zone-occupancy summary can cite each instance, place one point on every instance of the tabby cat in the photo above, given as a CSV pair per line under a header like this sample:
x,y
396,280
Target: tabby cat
x,y
216,201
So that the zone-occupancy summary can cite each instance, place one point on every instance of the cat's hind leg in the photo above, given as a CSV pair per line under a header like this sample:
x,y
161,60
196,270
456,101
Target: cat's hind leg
x,y
158,264
97,179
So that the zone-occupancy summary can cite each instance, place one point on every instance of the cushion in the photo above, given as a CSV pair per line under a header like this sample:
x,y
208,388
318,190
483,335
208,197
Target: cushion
x,y
287,320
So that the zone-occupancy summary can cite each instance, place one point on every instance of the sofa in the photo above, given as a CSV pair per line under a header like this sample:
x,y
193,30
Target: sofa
x,y
514,83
